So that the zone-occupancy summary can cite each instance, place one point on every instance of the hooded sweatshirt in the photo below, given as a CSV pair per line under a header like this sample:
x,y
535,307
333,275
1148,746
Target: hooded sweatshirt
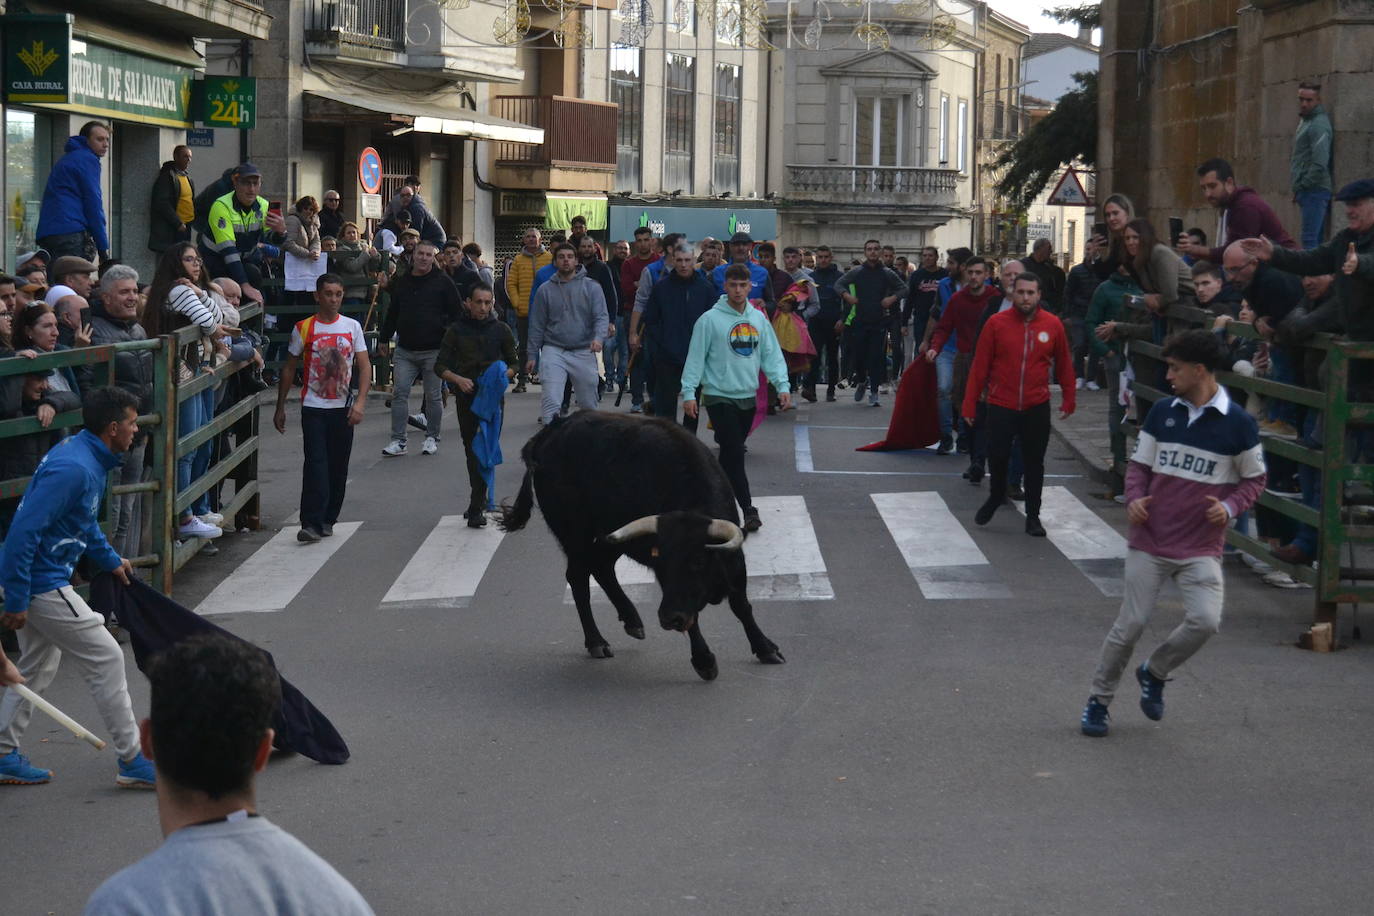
x,y
727,352
57,523
569,314
72,201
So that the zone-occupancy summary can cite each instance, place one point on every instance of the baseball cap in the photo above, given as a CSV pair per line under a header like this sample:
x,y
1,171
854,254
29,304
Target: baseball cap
x,y
246,169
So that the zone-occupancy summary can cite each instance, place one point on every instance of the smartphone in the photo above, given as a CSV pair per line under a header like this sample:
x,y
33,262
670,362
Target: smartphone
x,y
85,316
274,207
1175,229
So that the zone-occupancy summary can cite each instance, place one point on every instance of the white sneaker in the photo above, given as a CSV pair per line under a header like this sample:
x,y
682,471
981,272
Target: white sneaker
x,y
395,449
430,447
1093,386
1279,579
1078,384
212,518
883,389
195,528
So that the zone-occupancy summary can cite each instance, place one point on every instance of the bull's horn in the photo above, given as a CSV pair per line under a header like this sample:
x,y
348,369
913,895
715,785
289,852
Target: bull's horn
x,y
727,532
635,529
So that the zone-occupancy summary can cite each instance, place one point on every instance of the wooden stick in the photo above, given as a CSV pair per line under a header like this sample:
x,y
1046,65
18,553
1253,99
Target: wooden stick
x,y
62,718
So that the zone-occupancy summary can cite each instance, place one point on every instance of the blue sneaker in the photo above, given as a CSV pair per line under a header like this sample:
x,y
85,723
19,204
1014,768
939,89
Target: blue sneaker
x,y
137,773
15,770
1095,717
1151,692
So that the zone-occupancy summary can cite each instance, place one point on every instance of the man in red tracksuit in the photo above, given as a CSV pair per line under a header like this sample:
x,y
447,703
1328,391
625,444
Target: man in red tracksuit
x,y
1013,359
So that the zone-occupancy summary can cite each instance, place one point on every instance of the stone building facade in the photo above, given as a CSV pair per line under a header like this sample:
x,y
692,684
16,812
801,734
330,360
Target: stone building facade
x,y
1185,80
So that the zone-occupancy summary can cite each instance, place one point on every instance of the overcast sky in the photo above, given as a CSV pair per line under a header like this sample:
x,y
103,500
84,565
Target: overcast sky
x,y
1031,13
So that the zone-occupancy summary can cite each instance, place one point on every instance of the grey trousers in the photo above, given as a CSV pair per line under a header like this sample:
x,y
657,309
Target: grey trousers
x,y
556,366
406,367
1199,580
60,623
126,510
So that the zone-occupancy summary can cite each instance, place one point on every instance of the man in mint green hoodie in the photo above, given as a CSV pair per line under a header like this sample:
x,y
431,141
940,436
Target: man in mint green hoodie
x,y
731,344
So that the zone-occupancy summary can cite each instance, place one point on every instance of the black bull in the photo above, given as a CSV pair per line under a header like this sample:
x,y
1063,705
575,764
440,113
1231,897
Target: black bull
x,y
612,484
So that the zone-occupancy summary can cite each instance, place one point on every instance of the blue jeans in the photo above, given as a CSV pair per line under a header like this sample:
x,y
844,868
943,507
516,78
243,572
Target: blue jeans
x,y
194,413
1313,206
617,356
1283,370
944,383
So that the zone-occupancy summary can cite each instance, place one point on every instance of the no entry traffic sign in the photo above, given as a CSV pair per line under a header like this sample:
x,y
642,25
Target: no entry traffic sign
x,y
370,170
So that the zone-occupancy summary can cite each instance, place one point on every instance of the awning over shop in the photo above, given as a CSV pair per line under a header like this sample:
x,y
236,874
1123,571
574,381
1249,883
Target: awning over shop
x,y
435,113
562,207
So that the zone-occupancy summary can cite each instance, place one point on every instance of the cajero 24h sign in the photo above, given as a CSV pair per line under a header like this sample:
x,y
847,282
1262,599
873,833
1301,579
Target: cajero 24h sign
x,y
227,101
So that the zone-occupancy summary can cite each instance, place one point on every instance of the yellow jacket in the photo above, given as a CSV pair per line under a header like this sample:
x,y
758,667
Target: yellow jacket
x,y
520,278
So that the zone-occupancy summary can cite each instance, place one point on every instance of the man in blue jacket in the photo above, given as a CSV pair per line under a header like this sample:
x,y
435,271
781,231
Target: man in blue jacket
x,y
674,306
72,219
56,524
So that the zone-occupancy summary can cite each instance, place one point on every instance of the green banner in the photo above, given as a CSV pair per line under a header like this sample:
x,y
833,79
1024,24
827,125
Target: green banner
x,y
116,84
37,58
561,210
226,101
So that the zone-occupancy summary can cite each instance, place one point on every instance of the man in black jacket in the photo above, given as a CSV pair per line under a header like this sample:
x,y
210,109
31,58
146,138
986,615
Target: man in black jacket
x,y
114,319
822,315
424,303
459,269
173,204
1052,279
1078,295
598,270
876,289
675,304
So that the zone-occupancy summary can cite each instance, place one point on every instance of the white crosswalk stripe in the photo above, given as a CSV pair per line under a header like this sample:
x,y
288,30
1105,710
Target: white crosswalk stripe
x,y
271,579
1084,539
941,555
783,557
448,567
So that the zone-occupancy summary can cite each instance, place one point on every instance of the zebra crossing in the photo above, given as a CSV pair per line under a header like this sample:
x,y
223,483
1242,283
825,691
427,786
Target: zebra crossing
x,y
785,558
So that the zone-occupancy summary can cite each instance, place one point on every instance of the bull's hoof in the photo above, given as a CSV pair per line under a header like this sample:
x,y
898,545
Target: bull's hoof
x,y
708,670
636,632
600,652
772,657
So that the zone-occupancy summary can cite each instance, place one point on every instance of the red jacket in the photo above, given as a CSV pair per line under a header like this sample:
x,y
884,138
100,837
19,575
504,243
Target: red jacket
x,y
960,317
1013,362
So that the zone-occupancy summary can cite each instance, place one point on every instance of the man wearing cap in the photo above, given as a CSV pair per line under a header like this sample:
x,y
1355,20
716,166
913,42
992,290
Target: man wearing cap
x,y
72,219
71,276
741,252
1349,255
238,221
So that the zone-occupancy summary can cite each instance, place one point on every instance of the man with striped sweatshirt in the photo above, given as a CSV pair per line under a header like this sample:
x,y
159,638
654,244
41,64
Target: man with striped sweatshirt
x,y
1197,464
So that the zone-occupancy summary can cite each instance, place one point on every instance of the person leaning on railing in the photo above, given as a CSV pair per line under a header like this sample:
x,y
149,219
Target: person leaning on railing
x,y
355,258
28,395
180,297
35,329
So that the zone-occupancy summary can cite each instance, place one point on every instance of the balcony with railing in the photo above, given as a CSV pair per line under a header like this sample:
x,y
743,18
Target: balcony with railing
x,y
357,30
193,18
886,185
579,148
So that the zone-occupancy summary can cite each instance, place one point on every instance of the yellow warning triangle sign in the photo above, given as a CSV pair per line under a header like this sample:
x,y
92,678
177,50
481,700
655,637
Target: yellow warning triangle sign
x,y
1069,191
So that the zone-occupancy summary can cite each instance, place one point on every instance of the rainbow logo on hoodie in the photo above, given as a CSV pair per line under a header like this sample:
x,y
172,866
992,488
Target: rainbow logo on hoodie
x,y
744,339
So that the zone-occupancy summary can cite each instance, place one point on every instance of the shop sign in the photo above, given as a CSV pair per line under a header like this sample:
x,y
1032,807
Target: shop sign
x,y
117,84
38,59
227,101
695,222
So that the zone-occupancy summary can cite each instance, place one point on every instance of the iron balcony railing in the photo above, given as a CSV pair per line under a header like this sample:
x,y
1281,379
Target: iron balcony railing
x,y
376,24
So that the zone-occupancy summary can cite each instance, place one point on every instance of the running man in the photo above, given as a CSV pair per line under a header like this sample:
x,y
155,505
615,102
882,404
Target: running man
x,y
1197,465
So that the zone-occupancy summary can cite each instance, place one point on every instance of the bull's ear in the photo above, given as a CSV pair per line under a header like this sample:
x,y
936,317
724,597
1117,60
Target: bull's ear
x,y
635,529
729,535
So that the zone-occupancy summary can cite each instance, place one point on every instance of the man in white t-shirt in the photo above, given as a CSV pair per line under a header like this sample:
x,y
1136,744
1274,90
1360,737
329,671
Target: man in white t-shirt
x,y
333,350
210,728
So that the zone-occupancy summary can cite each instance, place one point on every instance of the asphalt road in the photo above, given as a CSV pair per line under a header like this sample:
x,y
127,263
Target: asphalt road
x,y
915,755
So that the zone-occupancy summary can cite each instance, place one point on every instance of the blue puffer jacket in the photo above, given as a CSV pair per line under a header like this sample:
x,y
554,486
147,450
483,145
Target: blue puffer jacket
x,y
72,200
56,522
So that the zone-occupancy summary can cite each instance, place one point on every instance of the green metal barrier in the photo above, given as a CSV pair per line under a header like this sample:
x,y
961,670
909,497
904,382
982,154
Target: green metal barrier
x,y
1337,534
165,443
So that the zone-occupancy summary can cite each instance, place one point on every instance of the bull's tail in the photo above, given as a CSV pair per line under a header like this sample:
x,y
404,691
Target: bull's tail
x,y
515,517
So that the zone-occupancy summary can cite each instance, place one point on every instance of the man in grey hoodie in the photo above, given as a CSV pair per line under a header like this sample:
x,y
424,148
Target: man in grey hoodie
x,y
567,328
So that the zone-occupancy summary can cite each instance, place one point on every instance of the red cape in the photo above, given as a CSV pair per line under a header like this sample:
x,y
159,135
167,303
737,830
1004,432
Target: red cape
x,y
916,413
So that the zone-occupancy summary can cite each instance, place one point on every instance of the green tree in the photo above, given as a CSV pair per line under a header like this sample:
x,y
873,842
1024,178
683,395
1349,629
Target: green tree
x,y
1066,134
1084,14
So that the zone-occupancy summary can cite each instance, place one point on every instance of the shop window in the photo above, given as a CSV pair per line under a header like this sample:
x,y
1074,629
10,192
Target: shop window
x,y
28,159
627,91
679,123
725,133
